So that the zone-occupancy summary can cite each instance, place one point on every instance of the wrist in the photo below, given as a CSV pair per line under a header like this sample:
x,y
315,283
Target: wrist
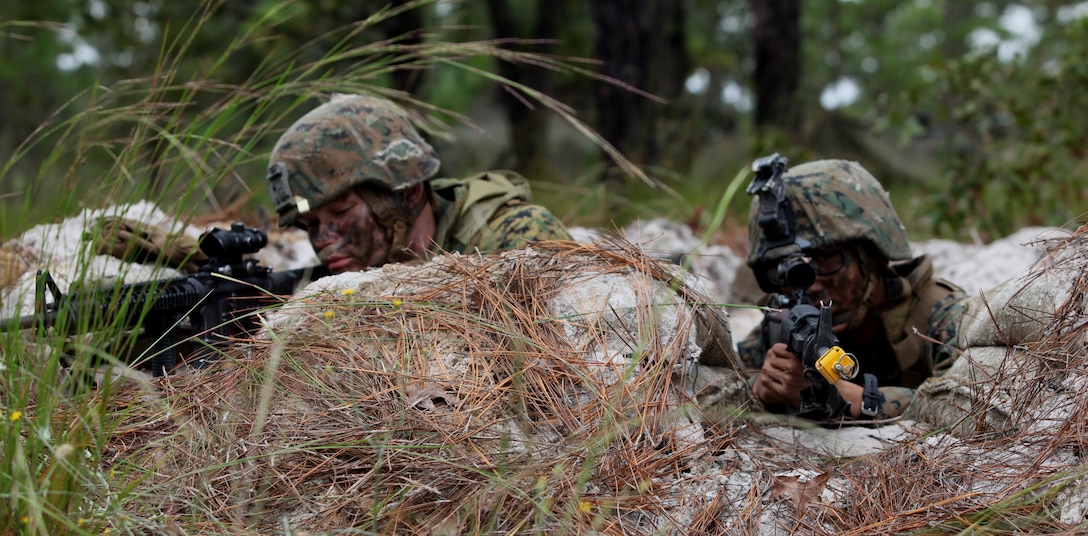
x,y
851,393
758,389
872,401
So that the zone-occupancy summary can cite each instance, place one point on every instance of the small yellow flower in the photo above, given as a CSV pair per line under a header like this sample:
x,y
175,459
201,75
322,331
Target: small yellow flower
x,y
25,519
82,521
329,314
397,302
16,415
585,507
347,291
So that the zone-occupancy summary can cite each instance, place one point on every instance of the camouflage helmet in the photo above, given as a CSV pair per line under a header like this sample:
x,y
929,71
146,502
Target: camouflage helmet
x,y
835,202
351,140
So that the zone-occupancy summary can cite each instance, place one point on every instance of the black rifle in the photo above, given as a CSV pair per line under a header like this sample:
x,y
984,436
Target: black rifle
x,y
214,305
792,318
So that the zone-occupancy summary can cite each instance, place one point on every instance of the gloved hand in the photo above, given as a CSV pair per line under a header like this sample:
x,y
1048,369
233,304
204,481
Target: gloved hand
x,y
12,266
135,241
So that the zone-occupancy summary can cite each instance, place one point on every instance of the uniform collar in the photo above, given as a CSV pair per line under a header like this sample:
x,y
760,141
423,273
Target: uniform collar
x,y
899,285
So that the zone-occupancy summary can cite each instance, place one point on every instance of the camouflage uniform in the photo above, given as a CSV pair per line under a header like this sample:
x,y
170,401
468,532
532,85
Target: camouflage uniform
x,y
491,211
360,141
838,203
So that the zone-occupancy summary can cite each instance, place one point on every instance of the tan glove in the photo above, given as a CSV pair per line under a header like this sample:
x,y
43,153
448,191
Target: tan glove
x,y
134,241
12,266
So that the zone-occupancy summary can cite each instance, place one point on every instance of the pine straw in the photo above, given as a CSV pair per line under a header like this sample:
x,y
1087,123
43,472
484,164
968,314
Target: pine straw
x,y
521,428
458,405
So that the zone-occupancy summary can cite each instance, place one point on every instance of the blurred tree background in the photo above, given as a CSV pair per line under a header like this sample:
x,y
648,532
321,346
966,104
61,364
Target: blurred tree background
x,y
970,113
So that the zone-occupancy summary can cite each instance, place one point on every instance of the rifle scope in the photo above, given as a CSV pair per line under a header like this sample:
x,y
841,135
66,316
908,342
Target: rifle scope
x,y
237,241
795,272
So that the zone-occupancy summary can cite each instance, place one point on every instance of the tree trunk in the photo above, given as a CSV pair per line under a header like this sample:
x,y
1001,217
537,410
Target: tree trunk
x,y
668,129
528,119
777,38
621,41
670,63
407,29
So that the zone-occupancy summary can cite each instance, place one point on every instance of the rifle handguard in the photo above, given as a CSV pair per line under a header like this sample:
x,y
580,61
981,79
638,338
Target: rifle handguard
x,y
836,364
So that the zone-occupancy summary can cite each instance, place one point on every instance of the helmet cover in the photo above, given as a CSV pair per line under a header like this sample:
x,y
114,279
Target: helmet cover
x,y
351,140
835,202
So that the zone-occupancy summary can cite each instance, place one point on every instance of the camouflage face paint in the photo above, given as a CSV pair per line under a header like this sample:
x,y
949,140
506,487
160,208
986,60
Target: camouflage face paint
x,y
845,289
345,235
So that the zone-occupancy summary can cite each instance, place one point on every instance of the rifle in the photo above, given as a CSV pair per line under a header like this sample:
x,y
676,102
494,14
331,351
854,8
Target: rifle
x,y
792,318
215,304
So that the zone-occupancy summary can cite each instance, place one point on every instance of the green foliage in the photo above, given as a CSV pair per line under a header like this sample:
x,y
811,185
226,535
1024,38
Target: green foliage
x,y
182,130
455,89
183,135
1015,148
53,432
965,124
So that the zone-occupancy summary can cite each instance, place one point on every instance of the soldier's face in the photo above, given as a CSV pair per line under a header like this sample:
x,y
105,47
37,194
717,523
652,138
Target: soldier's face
x,y
844,287
345,235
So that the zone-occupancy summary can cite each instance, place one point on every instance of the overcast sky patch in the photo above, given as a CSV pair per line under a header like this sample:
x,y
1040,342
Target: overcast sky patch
x,y
737,96
697,83
1019,22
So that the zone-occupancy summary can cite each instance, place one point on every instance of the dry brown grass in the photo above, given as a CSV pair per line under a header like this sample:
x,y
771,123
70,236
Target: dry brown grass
x,y
460,407
457,402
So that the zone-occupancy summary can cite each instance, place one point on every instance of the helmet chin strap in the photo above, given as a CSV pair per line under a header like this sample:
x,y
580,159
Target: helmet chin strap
x,y
395,217
868,271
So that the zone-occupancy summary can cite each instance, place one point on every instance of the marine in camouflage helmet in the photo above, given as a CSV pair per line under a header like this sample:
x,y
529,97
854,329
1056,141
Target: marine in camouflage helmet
x,y
887,308
352,140
357,176
835,202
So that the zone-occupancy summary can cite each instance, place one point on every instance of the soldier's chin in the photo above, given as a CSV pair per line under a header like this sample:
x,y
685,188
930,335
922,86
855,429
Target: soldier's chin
x,y
339,265
841,318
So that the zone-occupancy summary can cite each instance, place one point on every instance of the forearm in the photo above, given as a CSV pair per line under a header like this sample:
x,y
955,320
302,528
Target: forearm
x,y
852,393
895,399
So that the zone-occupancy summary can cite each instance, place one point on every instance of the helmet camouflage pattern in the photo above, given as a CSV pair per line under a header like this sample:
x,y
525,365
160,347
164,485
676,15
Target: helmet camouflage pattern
x,y
836,202
351,140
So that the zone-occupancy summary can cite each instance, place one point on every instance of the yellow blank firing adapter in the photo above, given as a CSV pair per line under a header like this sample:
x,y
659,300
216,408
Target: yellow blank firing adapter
x,y
836,364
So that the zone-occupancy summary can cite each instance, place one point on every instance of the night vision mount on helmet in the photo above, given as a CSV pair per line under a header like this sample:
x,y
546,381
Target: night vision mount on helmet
x,y
792,318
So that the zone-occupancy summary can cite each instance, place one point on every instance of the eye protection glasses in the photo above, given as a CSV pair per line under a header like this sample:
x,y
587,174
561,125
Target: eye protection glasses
x,y
827,262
